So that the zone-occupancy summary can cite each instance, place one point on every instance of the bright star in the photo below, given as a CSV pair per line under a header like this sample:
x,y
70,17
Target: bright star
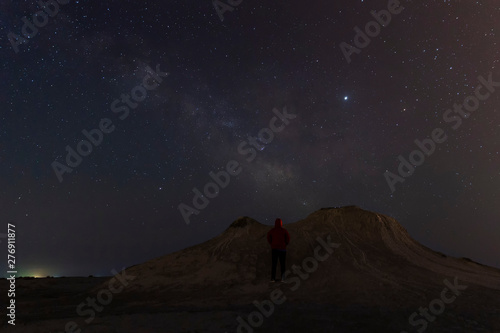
x,y
346,98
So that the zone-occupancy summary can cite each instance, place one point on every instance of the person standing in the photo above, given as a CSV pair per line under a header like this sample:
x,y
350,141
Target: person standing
x,y
278,237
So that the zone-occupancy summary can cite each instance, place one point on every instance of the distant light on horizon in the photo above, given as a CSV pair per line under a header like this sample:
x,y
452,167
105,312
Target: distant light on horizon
x,y
37,272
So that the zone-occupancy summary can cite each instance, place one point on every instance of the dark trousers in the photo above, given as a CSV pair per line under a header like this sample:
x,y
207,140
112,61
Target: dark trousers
x,y
281,255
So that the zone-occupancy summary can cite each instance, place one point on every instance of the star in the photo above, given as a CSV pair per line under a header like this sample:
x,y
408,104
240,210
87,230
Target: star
x,y
164,138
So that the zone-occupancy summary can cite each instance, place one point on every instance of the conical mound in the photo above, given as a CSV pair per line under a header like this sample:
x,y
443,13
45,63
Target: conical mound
x,y
371,259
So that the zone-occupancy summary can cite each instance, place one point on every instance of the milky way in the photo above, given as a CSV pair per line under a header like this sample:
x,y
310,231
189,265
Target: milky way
x,y
83,75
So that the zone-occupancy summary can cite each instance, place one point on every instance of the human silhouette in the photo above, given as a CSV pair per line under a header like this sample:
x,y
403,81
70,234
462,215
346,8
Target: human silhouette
x,y
278,237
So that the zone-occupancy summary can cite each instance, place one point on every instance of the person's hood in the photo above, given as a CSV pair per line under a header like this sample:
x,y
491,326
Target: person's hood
x,y
278,223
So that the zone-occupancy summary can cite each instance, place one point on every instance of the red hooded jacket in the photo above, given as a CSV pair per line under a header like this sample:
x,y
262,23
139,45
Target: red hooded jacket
x,y
278,236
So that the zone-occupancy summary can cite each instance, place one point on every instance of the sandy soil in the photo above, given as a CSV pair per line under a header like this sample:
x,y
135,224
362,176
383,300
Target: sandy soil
x,y
372,277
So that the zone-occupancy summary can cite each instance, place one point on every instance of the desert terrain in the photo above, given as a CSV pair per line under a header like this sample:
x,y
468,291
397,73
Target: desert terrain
x,y
350,270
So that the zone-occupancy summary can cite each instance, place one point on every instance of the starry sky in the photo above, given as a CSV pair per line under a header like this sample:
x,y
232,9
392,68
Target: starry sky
x,y
214,85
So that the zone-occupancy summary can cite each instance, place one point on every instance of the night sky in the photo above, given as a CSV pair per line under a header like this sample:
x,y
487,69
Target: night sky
x,y
222,83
